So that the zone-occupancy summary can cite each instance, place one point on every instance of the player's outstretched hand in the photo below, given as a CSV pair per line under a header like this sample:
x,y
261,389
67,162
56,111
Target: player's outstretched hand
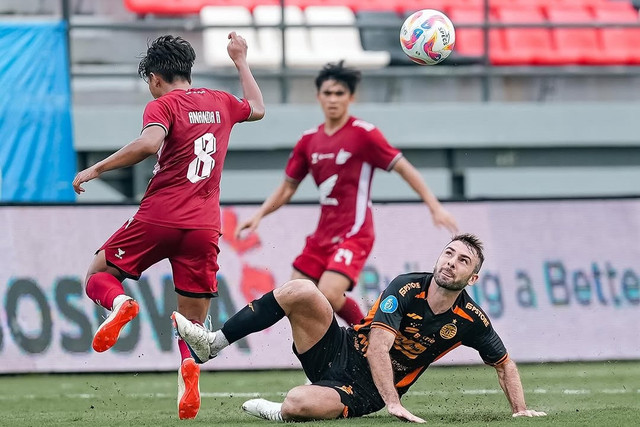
x,y
84,176
401,412
529,413
442,218
250,224
237,47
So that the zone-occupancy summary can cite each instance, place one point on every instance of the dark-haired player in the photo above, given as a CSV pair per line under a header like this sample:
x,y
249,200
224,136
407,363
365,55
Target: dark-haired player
x,y
188,130
355,371
341,155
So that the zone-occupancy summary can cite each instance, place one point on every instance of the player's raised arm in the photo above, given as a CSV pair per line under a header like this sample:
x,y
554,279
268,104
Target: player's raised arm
x,y
441,217
237,49
509,380
145,145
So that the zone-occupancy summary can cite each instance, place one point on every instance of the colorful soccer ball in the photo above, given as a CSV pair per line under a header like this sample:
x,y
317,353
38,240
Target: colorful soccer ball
x,y
427,37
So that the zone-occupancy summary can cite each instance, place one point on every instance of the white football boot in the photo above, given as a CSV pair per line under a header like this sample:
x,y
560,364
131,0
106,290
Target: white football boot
x,y
197,337
263,408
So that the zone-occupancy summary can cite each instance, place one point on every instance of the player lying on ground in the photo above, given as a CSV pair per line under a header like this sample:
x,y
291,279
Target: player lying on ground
x,y
361,369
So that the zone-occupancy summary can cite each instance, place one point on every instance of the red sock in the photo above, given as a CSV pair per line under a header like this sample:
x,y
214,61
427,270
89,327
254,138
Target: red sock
x,y
351,312
102,288
182,346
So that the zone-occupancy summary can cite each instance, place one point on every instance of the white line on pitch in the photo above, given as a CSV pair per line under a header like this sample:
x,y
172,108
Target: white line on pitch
x,y
282,394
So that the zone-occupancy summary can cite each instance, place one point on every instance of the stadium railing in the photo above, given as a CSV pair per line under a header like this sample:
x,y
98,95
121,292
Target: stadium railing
x,y
491,41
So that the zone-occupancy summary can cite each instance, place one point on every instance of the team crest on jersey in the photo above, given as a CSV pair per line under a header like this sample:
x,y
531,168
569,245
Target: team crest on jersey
x,y
389,305
449,330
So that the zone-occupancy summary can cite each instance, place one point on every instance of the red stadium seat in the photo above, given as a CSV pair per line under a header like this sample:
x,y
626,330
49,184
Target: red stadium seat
x,y
470,41
583,3
166,7
525,46
577,45
623,43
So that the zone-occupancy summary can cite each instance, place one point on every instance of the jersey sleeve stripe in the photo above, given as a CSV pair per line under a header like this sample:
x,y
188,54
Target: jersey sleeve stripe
x,y
166,131
394,161
383,326
502,360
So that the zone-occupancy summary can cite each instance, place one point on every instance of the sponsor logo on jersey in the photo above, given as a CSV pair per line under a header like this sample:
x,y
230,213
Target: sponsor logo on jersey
x,y
389,305
316,157
449,330
413,285
478,313
342,157
414,316
119,253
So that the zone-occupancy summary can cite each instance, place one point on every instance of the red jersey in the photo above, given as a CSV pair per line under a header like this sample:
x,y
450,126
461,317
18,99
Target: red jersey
x,y
342,167
184,191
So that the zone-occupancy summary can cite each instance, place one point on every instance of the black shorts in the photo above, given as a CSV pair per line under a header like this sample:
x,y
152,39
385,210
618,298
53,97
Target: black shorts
x,y
334,362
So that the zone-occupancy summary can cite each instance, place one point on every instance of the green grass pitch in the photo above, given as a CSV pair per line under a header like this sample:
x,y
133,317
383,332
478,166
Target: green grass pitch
x,y
573,394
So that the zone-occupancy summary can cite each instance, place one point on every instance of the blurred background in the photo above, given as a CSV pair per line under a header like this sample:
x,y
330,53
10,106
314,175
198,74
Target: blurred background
x,y
541,105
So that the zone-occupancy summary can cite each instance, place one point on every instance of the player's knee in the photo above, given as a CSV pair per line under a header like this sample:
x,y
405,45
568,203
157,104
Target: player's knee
x,y
296,405
301,289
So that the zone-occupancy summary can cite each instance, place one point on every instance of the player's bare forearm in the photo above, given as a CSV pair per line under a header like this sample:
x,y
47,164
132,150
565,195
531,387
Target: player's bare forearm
x,y
509,380
411,175
129,155
251,91
278,198
380,341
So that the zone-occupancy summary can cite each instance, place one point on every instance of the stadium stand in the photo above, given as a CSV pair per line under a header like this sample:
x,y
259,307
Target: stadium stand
x,y
524,46
578,45
298,52
338,43
215,39
517,77
621,43
379,31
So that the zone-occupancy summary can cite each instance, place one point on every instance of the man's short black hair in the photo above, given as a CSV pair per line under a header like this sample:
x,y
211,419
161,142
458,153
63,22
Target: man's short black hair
x,y
350,77
473,243
170,57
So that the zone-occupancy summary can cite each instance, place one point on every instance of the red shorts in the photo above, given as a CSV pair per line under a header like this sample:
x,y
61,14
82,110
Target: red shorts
x,y
193,254
346,258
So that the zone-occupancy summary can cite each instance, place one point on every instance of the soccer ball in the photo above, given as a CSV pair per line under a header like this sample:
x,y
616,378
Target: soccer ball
x,y
427,37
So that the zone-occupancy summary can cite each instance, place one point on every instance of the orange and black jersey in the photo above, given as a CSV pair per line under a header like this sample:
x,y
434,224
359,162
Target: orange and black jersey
x,y
422,337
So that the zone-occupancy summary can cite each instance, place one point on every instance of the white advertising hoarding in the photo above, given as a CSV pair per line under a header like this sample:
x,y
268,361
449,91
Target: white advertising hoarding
x,y
561,281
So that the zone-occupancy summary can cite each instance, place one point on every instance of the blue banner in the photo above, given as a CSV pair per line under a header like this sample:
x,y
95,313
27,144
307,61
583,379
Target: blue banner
x,y
37,160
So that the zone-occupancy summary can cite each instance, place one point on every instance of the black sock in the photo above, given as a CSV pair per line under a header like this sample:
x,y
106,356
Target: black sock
x,y
256,316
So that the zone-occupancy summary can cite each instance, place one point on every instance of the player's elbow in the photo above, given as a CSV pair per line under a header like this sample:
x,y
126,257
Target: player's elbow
x,y
257,111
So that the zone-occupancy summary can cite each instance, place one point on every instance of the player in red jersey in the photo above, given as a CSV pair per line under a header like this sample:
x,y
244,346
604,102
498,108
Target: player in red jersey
x,y
179,216
341,155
